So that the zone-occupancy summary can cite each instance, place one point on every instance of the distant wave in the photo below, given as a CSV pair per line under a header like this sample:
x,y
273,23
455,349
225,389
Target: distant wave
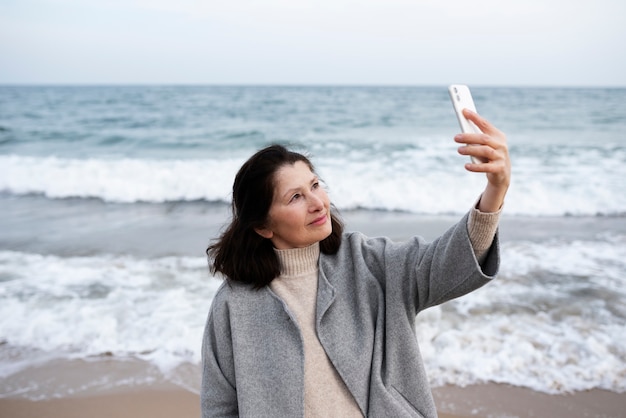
x,y
124,180
389,183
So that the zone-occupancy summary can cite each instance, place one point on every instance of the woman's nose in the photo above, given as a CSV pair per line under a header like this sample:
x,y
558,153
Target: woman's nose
x,y
316,203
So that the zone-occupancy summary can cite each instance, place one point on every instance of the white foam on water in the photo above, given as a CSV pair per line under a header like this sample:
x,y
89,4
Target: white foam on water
x,y
121,180
553,321
152,309
417,180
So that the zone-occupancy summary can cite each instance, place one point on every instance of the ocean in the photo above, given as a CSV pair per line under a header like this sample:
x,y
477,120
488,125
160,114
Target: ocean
x,y
110,194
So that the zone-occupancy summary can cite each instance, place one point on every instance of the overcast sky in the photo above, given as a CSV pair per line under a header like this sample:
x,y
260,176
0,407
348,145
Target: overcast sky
x,y
386,42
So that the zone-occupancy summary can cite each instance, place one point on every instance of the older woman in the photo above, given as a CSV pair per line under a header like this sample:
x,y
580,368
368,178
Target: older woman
x,y
315,322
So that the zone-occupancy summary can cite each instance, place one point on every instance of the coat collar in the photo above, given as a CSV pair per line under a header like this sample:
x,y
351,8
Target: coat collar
x,y
326,294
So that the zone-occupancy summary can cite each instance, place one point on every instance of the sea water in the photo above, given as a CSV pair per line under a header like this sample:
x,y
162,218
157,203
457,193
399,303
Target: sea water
x,y
72,157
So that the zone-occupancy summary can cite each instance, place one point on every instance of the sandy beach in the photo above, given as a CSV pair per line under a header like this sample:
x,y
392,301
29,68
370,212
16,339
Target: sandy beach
x,y
475,401
136,403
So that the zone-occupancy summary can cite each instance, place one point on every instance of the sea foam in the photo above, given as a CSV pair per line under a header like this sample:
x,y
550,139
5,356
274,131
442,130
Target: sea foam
x,y
553,321
392,183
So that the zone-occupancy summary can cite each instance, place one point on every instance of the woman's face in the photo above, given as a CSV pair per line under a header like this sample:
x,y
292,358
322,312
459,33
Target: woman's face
x,y
300,212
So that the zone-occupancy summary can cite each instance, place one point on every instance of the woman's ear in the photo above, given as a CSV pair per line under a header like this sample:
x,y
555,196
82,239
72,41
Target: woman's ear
x,y
264,232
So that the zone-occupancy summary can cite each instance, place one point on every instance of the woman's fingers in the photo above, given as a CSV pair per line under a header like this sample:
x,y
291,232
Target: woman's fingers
x,y
483,124
490,147
484,153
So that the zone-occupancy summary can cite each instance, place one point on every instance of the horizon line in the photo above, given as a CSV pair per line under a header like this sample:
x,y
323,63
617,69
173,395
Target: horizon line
x,y
305,84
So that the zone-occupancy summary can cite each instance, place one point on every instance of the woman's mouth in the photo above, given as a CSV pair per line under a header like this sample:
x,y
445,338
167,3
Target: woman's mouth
x,y
319,221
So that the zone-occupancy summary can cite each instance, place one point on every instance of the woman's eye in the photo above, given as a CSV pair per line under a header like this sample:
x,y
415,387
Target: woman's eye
x,y
295,197
316,184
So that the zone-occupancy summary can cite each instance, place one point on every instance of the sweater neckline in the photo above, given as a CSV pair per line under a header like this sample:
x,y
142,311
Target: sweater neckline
x,y
298,261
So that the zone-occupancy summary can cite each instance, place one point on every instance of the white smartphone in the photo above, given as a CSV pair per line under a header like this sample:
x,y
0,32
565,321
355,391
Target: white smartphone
x,y
462,99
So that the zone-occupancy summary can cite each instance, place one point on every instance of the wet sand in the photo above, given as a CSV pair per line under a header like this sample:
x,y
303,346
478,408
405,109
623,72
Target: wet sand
x,y
475,401
158,397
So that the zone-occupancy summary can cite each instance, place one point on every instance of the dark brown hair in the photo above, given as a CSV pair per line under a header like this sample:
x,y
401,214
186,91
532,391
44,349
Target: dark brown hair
x,y
240,253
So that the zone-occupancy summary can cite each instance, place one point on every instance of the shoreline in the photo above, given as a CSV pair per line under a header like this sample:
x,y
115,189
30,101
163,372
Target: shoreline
x,y
488,400
152,403
79,388
506,401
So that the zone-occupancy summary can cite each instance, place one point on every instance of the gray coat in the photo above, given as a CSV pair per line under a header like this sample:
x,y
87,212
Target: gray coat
x,y
368,296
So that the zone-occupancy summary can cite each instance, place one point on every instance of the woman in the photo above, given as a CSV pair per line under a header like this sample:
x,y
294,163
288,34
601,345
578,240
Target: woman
x,y
315,322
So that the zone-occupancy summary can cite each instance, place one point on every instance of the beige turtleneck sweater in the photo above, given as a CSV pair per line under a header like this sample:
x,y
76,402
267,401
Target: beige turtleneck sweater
x,y
325,393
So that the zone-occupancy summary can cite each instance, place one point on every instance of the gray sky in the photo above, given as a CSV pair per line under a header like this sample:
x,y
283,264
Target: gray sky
x,y
417,42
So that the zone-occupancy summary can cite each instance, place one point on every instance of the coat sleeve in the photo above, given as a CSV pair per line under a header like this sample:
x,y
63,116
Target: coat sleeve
x,y
218,394
445,268
420,274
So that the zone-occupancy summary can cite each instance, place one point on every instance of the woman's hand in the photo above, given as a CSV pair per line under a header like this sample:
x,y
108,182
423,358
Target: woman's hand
x,y
490,147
